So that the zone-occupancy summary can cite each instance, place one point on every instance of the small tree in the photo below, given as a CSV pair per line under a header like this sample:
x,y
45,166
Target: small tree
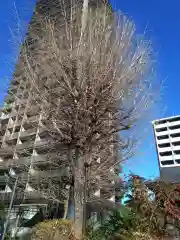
x,y
154,205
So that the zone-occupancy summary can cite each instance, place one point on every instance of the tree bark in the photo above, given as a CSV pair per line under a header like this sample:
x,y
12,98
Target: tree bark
x,y
78,195
66,205
71,205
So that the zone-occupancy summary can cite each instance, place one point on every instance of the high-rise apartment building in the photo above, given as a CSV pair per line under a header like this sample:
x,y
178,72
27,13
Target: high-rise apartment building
x,y
22,141
167,137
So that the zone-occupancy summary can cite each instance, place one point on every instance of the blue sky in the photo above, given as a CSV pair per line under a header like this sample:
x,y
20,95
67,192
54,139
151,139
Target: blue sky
x,y
13,13
161,20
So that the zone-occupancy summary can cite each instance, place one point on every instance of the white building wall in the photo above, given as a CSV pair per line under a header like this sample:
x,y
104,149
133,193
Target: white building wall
x,y
167,138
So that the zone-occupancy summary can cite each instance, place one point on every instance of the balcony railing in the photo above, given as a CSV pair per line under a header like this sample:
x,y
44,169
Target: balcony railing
x,y
28,133
28,197
4,116
173,123
12,136
29,145
163,141
60,175
165,149
162,133
164,158
3,178
162,125
174,131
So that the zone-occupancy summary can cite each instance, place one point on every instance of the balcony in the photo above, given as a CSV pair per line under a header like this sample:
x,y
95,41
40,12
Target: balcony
x,y
1,138
173,123
25,146
12,136
43,144
176,148
3,178
163,141
161,125
31,144
39,160
44,158
4,165
164,149
20,161
33,111
167,163
28,198
27,133
164,158
58,173
4,116
174,131
176,156
6,150
11,124
16,123
26,160
162,133
175,139
19,147
30,122
20,112
3,128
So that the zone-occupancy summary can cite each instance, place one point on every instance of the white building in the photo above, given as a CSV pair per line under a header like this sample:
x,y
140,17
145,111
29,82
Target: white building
x,y
167,137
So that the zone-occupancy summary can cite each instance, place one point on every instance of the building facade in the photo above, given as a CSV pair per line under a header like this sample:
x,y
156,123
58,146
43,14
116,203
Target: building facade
x,y
24,151
167,138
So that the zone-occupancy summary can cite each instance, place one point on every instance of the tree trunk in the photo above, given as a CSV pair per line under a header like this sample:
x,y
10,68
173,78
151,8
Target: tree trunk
x,y
78,223
78,195
75,201
66,205
70,207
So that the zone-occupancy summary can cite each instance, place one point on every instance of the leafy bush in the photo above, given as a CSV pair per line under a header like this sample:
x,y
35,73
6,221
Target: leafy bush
x,y
117,221
54,230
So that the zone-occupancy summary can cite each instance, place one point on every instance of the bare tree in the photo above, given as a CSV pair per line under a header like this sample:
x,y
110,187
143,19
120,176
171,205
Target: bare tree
x,y
89,86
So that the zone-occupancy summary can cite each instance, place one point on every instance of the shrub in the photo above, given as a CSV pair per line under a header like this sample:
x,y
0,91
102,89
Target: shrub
x,y
54,230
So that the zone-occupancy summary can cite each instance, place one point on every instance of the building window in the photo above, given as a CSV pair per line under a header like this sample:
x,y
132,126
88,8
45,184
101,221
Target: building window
x,y
168,162
160,122
163,154
177,152
174,135
161,129
162,137
163,145
174,119
174,127
176,143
